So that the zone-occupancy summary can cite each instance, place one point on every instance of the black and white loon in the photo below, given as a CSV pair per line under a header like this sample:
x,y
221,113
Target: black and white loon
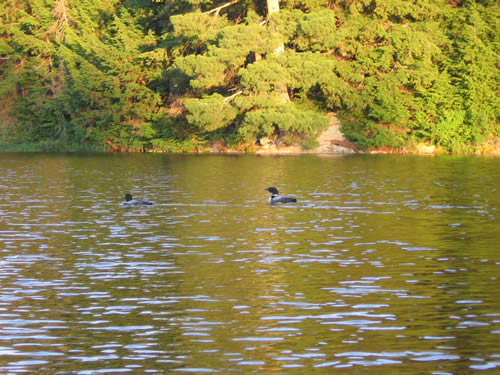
x,y
135,202
275,198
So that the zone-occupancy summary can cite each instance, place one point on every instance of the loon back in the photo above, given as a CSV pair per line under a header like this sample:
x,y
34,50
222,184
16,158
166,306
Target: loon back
x,y
135,202
275,198
278,199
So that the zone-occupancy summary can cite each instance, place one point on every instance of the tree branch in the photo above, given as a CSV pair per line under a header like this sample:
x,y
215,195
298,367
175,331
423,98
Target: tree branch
x,y
228,99
219,8
60,13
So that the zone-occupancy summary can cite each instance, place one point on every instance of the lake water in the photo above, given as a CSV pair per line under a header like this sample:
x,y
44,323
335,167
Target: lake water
x,y
385,264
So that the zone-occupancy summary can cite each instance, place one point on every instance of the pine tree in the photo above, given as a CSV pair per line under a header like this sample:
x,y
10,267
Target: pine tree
x,y
140,74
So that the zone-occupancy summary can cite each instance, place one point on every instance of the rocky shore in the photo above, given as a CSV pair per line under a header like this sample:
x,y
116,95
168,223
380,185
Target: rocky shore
x,y
332,141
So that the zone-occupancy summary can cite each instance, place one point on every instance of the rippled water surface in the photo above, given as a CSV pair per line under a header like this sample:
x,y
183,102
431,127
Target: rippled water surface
x,y
386,263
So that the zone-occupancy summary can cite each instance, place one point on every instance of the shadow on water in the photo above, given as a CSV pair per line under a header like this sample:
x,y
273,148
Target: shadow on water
x,y
386,263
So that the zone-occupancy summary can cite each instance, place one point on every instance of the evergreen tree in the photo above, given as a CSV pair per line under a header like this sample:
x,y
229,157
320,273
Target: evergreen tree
x,y
170,75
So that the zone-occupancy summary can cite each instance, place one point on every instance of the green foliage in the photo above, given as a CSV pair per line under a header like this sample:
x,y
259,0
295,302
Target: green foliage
x,y
473,67
210,113
234,44
287,117
316,30
451,132
197,26
367,135
264,77
304,5
167,76
203,72
196,30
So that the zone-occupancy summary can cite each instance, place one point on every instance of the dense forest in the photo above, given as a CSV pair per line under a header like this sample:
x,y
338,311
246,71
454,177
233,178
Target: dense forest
x,y
166,75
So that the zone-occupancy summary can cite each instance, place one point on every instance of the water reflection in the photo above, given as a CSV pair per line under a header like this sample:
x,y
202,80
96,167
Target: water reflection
x,y
385,263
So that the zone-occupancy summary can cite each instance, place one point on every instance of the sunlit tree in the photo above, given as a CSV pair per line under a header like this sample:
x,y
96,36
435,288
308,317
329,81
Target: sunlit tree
x,y
175,75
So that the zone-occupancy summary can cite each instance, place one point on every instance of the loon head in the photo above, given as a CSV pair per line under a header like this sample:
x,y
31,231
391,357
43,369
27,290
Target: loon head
x,y
272,190
135,202
275,198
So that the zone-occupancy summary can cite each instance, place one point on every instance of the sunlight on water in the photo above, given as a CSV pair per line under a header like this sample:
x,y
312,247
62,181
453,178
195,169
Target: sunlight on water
x,y
385,263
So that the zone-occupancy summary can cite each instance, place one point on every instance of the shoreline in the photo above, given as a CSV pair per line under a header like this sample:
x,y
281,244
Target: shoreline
x,y
330,142
34,148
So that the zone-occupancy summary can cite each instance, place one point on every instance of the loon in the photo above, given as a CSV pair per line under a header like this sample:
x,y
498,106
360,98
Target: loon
x,y
275,198
135,202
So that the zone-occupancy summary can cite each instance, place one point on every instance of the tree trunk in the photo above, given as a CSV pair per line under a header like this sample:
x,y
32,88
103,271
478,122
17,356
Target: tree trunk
x,y
60,12
273,6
